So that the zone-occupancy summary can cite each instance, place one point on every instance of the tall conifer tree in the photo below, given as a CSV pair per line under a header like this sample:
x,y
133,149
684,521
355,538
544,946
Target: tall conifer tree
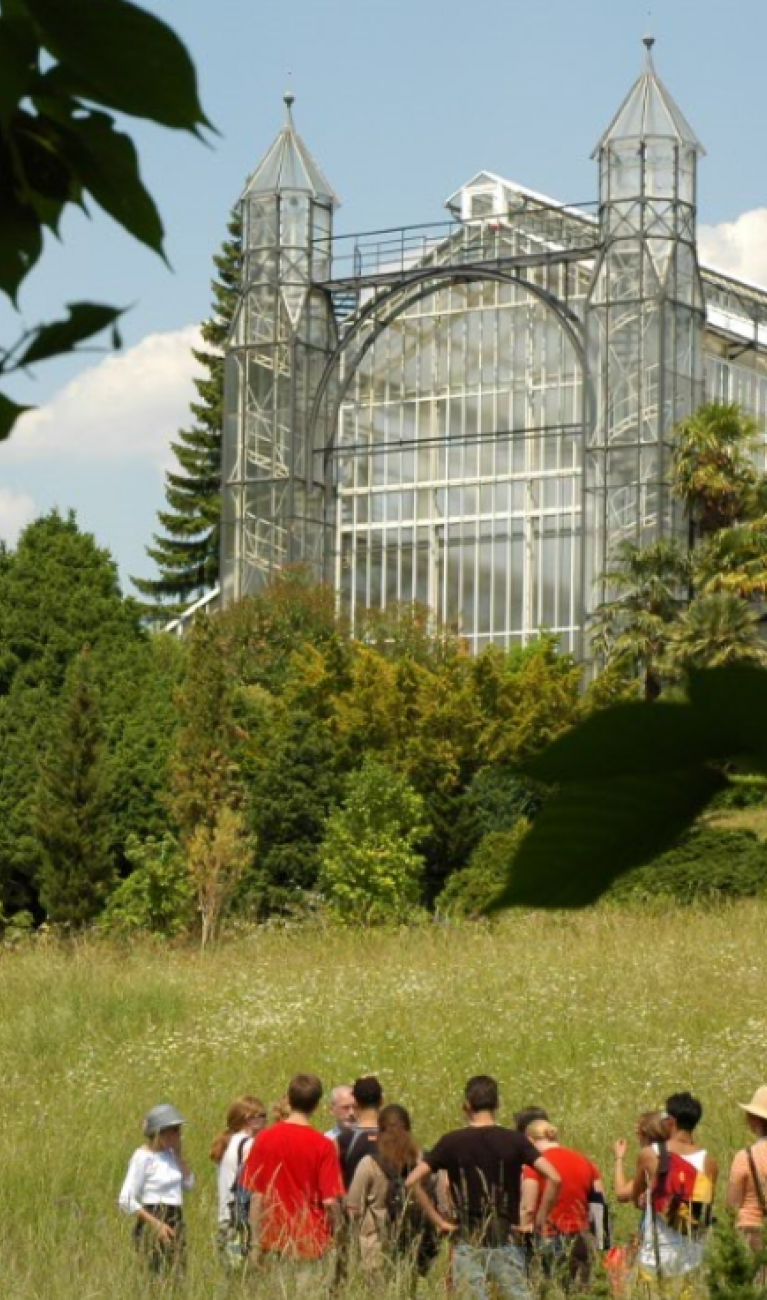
x,y
187,551
73,809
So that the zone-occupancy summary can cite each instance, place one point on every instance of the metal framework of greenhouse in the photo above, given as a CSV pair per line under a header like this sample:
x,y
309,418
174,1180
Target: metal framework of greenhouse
x,y
473,415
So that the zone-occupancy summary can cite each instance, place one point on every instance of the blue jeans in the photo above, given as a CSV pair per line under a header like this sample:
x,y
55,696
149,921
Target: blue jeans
x,y
474,1267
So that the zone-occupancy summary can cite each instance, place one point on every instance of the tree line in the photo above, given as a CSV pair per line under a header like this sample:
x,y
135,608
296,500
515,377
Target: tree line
x,y
272,763
267,762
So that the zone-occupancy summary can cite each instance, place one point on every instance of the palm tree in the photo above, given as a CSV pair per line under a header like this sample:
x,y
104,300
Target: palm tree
x,y
631,629
734,559
713,469
714,631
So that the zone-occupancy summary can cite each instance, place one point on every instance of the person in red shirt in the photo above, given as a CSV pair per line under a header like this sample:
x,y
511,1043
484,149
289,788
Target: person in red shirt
x,y
565,1239
294,1178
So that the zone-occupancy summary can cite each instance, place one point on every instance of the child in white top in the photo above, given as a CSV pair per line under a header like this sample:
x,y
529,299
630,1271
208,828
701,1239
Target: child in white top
x,y
154,1188
244,1118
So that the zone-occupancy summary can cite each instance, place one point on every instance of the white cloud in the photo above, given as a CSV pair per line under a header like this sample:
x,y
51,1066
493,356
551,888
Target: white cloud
x,y
128,406
16,511
737,247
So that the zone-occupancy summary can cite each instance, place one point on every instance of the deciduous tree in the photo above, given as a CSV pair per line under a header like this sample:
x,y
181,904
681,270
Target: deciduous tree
x,y
370,865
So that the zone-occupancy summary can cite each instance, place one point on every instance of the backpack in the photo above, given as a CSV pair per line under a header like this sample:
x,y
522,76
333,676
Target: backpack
x,y
235,1238
672,1194
240,1206
599,1219
353,1145
408,1225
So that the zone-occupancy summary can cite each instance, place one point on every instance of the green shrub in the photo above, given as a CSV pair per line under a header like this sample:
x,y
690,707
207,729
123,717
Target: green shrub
x,y
469,891
495,799
733,1271
742,792
157,896
370,871
705,866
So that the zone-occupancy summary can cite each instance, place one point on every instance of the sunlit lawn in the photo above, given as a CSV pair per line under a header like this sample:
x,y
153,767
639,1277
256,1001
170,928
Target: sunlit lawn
x,y
595,1016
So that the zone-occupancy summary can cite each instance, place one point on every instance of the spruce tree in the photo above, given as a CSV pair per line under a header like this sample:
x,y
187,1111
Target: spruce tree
x,y
74,821
59,591
187,551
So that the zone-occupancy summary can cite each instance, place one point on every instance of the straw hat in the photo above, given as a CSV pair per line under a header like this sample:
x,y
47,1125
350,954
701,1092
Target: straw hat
x,y
758,1103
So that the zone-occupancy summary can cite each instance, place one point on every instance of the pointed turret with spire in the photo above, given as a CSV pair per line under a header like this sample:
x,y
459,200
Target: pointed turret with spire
x,y
288,165
644,319
283,334
649,112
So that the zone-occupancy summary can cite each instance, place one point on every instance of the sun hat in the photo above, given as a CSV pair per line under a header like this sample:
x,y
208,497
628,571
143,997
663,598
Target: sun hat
x,y
161,1117
758,1103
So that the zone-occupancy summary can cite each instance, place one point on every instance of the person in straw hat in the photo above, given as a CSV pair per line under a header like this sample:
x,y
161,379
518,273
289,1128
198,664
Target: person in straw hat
x,y
747,1186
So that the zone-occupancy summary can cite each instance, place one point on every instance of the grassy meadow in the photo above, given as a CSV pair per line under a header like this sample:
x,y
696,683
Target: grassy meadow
x,y
596,1016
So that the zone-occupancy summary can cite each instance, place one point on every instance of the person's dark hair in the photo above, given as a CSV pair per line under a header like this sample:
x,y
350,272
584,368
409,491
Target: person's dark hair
x,y
395,1144
685,1109
481,1093
304,1093
367,1092
524,1117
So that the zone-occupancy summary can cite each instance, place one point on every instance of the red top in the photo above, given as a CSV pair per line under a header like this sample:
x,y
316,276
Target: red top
x,y
571,1211
295,1169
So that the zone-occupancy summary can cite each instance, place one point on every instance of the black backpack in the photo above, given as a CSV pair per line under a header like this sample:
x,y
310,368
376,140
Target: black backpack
x,y
353,1145
410,1229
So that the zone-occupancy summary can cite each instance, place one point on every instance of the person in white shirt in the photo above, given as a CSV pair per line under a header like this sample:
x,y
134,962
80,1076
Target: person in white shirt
x,y
154,1187
244,1118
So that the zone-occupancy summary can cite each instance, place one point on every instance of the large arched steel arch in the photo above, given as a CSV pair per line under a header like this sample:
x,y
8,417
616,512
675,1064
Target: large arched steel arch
x,y
390,302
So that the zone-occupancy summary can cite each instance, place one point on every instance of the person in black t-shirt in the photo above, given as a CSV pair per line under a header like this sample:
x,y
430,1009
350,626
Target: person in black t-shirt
x,y
483,1163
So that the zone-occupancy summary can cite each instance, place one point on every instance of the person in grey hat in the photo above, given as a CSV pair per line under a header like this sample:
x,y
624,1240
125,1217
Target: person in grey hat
x,y
153,1190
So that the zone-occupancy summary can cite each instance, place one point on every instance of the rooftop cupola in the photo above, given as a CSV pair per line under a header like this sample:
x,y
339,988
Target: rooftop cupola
x,y
288,165
287,208
648,154
649,112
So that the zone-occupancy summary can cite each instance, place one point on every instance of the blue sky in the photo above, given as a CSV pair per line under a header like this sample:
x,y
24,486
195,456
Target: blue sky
x,y
400,104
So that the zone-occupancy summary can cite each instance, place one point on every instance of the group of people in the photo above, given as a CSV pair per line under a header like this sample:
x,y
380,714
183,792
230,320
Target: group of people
x,y
513,1201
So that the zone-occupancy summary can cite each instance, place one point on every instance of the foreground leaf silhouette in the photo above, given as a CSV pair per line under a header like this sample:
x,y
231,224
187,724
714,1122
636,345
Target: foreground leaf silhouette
x,y
631,780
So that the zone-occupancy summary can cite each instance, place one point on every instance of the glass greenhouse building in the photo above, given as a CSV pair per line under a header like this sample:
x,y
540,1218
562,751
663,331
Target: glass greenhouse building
x,y
473,415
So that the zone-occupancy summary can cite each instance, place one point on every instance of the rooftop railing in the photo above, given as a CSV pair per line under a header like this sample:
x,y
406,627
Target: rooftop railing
x,y
532,229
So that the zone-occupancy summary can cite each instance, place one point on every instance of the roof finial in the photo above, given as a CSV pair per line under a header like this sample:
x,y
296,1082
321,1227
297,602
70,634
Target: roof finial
x,y
648,42
289,99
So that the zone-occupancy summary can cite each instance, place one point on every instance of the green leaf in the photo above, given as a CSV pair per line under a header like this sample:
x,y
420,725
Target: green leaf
x,y
630,739
9,414
42,169
594,831
124,58
84,320
106,163
21,238
18,59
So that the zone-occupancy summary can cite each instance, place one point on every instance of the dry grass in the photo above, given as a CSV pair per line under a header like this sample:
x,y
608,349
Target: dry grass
x,y
597,1016
741,819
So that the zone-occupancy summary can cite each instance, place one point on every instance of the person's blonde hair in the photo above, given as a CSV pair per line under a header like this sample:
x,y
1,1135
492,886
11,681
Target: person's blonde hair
x,y
542,1130
279,1110
653,1126
240,1112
